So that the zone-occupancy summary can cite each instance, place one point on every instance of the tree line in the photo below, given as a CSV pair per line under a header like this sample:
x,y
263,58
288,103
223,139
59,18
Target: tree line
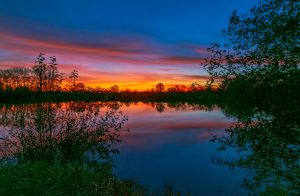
x,y
45,77
42,77
194,87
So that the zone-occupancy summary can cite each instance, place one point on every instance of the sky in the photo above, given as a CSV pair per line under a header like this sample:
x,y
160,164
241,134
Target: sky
x,y
132,43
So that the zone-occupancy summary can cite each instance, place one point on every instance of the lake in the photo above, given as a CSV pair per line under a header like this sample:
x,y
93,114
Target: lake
x,y
170,144
159,144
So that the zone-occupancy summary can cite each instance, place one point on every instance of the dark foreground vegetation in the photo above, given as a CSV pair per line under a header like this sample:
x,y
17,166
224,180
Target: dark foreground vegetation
x,y
257,72
56,179
58,152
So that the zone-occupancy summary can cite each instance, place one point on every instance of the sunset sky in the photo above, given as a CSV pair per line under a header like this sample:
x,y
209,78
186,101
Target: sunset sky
x,y
132,43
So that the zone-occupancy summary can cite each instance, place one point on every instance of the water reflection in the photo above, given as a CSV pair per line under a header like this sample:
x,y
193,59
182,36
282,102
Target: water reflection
x,y
172,147
167,142
267,141
68,132
172,142
160,107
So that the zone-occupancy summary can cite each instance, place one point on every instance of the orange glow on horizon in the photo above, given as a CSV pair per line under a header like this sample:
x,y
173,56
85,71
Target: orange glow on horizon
x,y
138,87
103,67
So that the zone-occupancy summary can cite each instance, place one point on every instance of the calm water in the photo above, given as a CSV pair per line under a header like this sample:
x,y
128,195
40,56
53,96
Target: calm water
x,y
161,143
172,146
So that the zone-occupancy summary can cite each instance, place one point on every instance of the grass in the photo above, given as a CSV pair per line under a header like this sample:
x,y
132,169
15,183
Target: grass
x,y
40,178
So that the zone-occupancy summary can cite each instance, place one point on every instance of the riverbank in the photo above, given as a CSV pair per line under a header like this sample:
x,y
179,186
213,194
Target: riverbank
x,y
207,96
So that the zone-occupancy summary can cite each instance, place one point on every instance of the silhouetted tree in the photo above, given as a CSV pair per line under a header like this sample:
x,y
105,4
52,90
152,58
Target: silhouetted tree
x,y
195,87
258,68
80,87
73,76
114,89
160,87
180,87
40,71
16,77
266,39
171,89
54,77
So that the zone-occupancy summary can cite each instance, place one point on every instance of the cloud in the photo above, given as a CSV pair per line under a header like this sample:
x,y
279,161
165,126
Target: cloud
x,y
180,60
125,51
126,62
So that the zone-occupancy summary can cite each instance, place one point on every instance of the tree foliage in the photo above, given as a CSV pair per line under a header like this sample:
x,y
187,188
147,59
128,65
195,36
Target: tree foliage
x,y
73,77
266,39
160,87
258,70
42,77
